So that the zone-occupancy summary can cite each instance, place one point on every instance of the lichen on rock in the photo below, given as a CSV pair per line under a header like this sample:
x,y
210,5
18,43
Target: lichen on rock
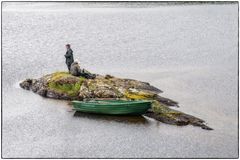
x,y
62,85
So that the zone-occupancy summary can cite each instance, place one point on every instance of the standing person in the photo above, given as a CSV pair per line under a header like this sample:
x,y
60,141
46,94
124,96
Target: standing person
x,y
69,56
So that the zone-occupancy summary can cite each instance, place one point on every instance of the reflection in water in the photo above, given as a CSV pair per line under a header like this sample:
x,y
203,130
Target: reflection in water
x,y
117,118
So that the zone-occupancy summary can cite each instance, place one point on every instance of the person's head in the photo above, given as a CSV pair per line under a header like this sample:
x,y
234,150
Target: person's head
x,y
77,61
68,46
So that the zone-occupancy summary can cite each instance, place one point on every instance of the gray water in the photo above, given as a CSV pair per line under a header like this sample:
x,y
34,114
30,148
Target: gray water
x,y
188,51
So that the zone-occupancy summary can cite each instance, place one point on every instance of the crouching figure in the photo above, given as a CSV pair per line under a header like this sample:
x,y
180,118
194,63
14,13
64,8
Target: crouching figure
x,y
75,70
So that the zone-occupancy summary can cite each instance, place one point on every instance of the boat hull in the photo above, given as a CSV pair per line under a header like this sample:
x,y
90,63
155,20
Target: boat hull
x,y
113,107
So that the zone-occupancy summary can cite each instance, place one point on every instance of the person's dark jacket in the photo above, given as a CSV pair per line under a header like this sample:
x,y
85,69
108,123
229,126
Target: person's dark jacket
x,y
69,57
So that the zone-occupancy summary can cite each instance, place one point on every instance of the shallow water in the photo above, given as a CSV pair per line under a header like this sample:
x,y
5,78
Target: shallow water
x,y
188,51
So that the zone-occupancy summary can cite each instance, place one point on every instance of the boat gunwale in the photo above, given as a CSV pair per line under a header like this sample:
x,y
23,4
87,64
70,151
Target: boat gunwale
x,y
110,103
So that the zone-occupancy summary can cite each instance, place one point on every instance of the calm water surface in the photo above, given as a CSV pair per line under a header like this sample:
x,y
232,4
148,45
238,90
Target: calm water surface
x,y
188,51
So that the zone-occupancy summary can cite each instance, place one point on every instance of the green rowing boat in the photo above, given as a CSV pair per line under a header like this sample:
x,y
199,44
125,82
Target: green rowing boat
x,y
114,107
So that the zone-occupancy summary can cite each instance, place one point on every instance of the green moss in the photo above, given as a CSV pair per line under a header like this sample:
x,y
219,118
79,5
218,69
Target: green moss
x,y
63,82
164,111
70,89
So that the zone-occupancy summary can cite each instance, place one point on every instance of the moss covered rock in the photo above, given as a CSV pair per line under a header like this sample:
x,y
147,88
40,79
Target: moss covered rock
x,y
65,83
62,85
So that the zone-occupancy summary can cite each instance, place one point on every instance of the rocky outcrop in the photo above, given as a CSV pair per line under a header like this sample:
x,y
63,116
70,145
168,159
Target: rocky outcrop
x,y
62,85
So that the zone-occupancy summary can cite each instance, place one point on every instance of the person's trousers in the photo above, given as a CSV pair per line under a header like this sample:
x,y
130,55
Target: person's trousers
x,y
69,66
